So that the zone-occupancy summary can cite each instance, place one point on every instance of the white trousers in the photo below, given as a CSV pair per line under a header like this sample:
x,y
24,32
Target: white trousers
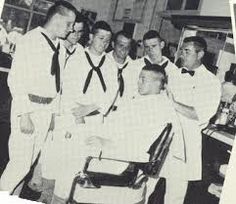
x,y
176,189
24,148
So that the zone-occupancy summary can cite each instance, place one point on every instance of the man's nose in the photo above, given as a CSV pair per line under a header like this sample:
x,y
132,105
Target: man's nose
x,y
181,54
71,28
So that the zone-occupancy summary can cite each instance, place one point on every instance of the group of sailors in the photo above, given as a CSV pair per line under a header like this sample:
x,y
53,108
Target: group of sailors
x,y
70,102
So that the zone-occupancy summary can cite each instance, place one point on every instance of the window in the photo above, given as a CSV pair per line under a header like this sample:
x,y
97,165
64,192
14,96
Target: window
x,y
174,4
25,14
192,4
182,4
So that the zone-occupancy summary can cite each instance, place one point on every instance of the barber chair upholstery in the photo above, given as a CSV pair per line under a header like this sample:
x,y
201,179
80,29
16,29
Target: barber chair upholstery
x,y
133,176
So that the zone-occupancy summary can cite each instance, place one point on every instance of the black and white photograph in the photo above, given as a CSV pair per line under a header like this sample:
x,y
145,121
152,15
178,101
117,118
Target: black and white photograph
x,y
117,101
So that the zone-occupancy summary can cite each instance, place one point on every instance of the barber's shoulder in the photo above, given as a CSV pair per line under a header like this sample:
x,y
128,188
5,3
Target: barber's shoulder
x,y
211,79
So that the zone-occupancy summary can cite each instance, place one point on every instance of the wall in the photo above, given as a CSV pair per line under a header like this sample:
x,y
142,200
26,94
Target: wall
x,y
141,27
215,8
102,7
105,11
168,32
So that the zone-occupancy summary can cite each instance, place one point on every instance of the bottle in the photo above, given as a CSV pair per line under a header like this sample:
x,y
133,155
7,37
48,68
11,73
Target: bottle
x,y
224,114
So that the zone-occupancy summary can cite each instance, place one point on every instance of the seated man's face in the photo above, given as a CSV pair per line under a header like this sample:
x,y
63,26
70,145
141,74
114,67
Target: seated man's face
x,y
76,34
149,82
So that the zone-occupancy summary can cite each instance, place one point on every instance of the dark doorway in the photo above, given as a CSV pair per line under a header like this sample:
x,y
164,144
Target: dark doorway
x,y
129,27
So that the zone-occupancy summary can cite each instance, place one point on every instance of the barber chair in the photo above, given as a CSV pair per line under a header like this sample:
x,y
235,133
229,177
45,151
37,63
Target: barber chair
x,y
133,176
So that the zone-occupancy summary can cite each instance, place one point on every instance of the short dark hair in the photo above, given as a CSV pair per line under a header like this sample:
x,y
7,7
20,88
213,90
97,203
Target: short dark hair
x,y
152,34
101,25
79,17
123,33
229,76
60,7
158,70
199,43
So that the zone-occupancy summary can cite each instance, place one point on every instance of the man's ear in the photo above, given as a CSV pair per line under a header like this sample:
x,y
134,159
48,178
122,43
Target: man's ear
x,y
162,44
91,36
200,54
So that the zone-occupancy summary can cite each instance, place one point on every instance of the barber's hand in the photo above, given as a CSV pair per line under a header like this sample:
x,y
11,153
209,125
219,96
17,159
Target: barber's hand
x,y
26,124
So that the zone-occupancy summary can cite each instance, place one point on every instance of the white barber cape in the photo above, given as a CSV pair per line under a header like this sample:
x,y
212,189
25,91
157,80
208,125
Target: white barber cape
x,y
202,91
138,124
132,130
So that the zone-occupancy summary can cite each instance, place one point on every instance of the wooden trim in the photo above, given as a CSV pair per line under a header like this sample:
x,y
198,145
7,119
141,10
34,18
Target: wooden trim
x,y
169,13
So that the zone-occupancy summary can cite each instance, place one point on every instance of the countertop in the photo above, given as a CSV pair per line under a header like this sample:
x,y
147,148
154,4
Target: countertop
x,y
220,135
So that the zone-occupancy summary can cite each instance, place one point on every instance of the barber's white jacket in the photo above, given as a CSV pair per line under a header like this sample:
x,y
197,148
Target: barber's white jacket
x,y
203,92
77,70
31,73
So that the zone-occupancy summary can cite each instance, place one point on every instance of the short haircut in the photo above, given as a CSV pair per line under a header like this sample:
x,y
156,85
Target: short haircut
x,y
61,7
152,34
228,76
79,17
199,43
157,70
123,33
101,25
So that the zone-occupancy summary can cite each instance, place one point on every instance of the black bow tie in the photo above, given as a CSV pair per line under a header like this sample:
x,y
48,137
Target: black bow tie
x,y
97,70
121,79
184,71
55,66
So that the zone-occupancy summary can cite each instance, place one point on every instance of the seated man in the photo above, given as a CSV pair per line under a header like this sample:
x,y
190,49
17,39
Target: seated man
x,y
124,136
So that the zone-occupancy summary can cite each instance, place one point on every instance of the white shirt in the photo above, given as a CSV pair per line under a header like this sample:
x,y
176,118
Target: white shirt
x,y
31,72
77,71
201,91
130,74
